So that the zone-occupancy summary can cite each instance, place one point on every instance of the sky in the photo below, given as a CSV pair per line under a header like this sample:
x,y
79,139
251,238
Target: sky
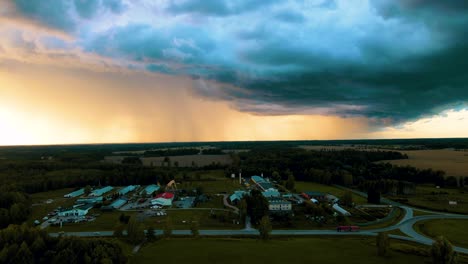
x,y
113,71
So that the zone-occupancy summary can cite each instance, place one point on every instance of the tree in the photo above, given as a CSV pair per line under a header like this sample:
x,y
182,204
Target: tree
x,y
167,232
135,233
275,176
373,196
290,182
347,199
194,227
23,255
257,206
265,228
242,209
383,244
442,252
144,194
87,190
150,236
118,230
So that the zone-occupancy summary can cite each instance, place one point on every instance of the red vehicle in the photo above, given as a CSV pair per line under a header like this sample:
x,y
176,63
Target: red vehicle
x,y
142,200
347,228
305,196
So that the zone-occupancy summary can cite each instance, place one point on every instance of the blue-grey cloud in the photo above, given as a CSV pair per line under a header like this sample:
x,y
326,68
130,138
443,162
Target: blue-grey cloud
x,y
59,14
290,16
397,60
216,7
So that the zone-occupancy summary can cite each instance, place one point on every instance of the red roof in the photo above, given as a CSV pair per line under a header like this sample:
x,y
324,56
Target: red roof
x,y
165,195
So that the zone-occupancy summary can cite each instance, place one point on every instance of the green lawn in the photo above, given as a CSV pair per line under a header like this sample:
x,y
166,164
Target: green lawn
x,y
298,250
454,230
317,187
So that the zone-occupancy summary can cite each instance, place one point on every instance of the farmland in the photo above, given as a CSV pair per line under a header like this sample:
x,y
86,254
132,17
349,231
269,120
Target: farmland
x,y
298,250
454,163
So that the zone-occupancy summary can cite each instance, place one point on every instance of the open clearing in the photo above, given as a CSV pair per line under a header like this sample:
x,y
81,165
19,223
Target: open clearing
x,y
297,250
455,231
454,163
40,208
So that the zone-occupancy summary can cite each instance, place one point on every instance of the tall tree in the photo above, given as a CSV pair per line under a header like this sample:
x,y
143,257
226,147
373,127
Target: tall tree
x,y
290,182
150,236
264,228
195,227
135,232
257,206
167,232
442,252
347,199
383,243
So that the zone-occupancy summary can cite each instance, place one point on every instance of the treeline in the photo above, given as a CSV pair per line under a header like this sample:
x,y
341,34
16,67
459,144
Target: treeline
x,y
22,244
15,206
330,166
344,167
33,177
171,152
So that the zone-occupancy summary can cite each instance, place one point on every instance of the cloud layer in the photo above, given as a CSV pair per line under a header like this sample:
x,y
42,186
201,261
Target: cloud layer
x,y
392,60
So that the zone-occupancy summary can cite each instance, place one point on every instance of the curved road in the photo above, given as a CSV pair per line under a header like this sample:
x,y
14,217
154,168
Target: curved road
x,y
405,225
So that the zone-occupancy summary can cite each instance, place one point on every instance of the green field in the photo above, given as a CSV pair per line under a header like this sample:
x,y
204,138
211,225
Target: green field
x,y
298,250
429,197
317,187
180,220
454,230
212,182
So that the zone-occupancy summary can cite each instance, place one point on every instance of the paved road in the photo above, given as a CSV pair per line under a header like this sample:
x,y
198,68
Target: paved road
x,y
405,225
227,204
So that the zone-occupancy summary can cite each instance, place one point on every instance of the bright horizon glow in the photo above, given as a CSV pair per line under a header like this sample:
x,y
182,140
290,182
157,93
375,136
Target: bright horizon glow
x,y
122,71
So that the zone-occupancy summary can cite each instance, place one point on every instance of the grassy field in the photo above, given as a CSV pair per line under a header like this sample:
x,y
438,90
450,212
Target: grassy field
x,y
454,163
41,209
455,231
297,250
399,214
212,182
429,197
312,186
180,220
420,213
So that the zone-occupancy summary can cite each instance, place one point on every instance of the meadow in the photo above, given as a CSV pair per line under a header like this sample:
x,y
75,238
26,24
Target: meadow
x,y
432,198
297,250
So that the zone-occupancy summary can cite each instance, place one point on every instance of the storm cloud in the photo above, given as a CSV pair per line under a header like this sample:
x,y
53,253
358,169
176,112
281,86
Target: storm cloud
x,y
391,60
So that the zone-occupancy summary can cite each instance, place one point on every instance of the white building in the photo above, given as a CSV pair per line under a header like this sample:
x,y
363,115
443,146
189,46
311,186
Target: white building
x,y
77,211
276,204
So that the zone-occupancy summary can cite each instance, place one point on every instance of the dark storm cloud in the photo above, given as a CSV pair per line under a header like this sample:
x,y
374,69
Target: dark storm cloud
x,y
392,59
58,14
